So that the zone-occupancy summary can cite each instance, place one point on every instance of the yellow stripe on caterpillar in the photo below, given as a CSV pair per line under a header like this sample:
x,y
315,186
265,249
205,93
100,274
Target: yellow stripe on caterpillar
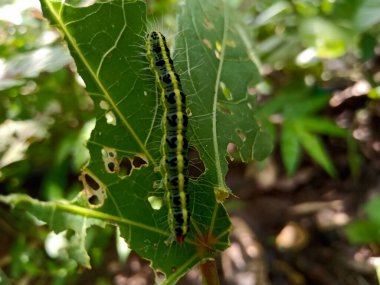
x,y
174,146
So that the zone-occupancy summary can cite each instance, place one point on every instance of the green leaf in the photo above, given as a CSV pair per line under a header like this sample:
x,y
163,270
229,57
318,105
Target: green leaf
x,y
300,107
366,231
273,11
214,46
270,128
315,148
374,93
277,104
363,232
4,279
372,210
367,46
120,179
367,15
354,157
329,40
293,102
290,149
322,126
60,216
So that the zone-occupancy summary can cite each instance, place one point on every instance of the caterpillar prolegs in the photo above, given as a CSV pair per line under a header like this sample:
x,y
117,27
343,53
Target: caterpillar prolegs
x,y
174,145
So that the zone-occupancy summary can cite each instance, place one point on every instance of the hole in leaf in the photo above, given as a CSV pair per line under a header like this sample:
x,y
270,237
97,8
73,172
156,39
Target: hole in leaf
x,y
108,152
208,24
188,112
232,149
241,135
125,166
207,43
225,91
160,277
231,43
94,200
223,109
91,182
157,184
80,3
139,161
155,202
109,156
111,166
174,269
93,189
110,118
196,165
104,105
217,54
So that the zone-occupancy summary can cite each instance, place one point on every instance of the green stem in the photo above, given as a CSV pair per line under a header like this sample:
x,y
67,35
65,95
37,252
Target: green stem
x,y
378,273
209,273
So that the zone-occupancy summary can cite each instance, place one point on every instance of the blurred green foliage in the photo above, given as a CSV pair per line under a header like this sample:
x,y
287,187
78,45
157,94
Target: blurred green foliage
x,y
296,108
43,109
45,118
310,49
366,230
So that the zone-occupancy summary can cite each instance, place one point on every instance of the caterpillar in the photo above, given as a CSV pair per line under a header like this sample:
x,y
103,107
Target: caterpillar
x,y
174,145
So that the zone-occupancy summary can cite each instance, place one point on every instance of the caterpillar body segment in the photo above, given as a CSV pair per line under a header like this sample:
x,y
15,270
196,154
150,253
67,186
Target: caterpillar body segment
x,y
174,146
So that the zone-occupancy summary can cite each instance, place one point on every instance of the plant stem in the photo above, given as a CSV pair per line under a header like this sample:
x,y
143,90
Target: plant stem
x,y
209,273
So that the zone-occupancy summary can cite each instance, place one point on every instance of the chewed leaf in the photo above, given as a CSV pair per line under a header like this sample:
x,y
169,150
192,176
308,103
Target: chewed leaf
x,y
217,70
121,181
60,216
121,177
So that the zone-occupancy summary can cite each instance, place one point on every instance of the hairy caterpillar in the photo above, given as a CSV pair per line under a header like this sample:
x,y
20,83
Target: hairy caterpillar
x,y
174,145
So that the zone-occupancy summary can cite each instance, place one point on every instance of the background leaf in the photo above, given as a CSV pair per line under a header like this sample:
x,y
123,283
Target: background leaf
x,y
362,231
60,216
366,231
372,210
322,126
214,49
367,15
290,149
3,278
300,107
31,64
328,40
315,149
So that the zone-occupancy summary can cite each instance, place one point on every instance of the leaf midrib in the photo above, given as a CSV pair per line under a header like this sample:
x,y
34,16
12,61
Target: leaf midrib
x,y
218,166
215,99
